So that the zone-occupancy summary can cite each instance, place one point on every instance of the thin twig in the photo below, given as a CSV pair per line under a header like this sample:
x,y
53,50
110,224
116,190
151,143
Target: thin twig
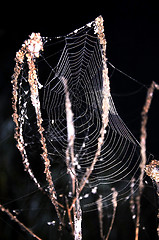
x,y
100,215
14,218
99,30
114,201
70,161
143,137
132,202
78,216
70,135
69,215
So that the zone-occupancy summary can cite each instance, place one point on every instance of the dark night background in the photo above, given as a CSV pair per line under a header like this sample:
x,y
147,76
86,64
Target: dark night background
x,y
132,33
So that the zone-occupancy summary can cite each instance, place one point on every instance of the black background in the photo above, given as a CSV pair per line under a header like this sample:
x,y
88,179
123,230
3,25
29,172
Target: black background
x,y
132,33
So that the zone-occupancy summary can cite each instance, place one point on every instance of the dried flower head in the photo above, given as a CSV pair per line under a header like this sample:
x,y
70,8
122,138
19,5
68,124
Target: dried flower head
x,y
152,170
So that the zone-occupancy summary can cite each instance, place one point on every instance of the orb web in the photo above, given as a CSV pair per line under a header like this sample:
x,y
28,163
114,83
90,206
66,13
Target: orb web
x,y
80,62
89,163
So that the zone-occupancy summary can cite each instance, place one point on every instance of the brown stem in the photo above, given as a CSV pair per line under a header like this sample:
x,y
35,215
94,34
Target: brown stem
x,y
143,137
14,218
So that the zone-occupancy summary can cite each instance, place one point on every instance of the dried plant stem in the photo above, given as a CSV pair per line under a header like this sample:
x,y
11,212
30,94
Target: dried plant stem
x,y
114,201
36,103
14,218
132,202
78,217
30,49
143,137
70,161
100,215
19,119
152,170
69,215
70,135
99,29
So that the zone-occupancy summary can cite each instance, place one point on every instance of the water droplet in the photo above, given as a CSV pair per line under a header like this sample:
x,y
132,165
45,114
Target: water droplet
x,y
86,195
127,198
16,211
70,194
51,223
94,190
78,167
83,145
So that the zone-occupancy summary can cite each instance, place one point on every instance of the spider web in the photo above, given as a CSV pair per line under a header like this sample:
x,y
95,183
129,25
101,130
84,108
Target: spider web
x,y
77,57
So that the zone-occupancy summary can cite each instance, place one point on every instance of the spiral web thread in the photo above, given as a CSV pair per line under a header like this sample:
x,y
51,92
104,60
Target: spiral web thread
x,y
82,63
65,79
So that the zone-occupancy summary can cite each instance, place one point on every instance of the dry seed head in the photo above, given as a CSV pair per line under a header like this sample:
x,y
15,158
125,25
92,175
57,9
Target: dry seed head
x,y
152,170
